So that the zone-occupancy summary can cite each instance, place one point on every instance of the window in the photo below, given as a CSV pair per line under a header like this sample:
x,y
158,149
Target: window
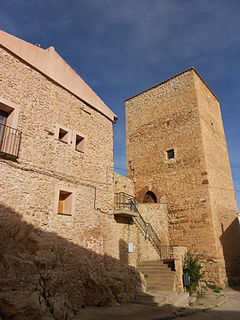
x,y
3,120
65,202
10,137
63,135
3,116
170,154
79,141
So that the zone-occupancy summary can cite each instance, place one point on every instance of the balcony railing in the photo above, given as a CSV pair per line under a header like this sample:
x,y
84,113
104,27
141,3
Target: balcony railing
x,y
125,204
125,201
9,141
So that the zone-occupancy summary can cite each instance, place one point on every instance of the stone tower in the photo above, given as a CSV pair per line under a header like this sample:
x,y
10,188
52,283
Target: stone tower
x,y
176,149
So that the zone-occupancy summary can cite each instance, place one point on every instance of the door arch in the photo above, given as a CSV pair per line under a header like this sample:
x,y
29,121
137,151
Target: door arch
x,y
149,197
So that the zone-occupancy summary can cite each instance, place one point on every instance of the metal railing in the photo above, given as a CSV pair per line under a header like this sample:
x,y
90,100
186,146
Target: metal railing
x,y
125,201
149,232
165,252
9,140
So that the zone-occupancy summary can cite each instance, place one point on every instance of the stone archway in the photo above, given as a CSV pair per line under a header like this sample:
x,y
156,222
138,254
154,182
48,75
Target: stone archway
x,y
148,195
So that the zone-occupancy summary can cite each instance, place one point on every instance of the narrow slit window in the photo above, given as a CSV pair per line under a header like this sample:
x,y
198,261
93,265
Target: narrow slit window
x,y
170,154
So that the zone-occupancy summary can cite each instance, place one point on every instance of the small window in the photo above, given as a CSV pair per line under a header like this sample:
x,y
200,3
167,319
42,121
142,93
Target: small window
x,y
170,154
63,135
80,143
65,202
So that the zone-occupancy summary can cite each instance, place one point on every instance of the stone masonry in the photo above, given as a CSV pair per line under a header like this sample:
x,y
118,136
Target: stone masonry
x,y
176,147
60,244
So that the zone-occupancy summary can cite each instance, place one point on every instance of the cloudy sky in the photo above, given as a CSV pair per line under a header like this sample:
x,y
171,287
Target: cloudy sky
x,y
121,47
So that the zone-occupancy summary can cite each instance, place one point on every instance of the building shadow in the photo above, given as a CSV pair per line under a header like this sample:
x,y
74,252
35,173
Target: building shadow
x,y
123,252
230,240
44,276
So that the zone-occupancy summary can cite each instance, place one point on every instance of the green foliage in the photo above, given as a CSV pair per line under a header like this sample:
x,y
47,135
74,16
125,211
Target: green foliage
x,y
146,275
193,268
214,288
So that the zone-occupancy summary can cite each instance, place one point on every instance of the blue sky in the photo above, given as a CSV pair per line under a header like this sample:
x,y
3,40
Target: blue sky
x,y
122,47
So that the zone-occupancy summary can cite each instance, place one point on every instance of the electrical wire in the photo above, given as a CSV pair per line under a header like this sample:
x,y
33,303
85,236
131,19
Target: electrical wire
x,y
185,182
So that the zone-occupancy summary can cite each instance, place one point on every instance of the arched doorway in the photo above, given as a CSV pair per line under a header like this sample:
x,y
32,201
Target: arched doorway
x,y
149,197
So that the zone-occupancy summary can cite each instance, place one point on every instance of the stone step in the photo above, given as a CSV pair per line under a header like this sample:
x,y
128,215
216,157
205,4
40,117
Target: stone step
x,y
158,272
182,300
159,281
153,263
151,278
158,276
160,287
159,298
155,269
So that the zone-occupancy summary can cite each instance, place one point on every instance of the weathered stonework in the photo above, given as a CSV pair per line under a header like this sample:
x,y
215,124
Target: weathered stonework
x,y
156,214
182,114
65,254
52,264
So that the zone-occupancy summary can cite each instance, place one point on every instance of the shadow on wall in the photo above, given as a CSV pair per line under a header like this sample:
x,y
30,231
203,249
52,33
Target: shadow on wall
x,y
230,240
123,252
43,276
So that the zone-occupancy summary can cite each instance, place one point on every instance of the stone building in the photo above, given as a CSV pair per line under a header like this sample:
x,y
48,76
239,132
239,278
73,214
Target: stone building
x,y
176,148
72,233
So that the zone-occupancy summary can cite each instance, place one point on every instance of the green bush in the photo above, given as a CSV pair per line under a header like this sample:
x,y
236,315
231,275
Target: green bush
x,y
193,268
214,288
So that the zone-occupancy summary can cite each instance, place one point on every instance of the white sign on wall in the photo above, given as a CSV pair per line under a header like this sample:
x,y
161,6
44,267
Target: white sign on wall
x,y
130,247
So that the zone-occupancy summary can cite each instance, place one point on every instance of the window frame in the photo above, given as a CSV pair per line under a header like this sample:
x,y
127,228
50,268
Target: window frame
x,y
68,135
71,204
82,148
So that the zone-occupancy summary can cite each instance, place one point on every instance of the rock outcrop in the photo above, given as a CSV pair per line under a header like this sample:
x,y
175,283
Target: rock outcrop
x,y
43,276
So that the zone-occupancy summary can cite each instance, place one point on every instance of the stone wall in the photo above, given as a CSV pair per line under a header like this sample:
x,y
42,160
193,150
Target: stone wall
x,y
123,184
157,215
131,233
53,264
218,180
171,116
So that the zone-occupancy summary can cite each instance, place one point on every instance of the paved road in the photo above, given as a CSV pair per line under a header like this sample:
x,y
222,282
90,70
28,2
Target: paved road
x,y
230,310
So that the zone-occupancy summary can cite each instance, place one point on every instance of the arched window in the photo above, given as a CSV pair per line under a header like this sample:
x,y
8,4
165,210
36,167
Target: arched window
x,y
149,197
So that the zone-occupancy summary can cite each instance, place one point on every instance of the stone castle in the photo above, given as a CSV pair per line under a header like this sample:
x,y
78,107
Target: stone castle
x,y
74,232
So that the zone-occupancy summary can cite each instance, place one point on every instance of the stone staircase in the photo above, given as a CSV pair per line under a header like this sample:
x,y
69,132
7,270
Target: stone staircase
x,y
158,275
160,280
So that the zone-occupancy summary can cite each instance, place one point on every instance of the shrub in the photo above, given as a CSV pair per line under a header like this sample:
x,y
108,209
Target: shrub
x,y
193,268
214,288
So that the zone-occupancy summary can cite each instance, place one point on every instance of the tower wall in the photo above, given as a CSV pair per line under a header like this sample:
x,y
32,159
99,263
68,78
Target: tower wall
x,y
219,178
172,115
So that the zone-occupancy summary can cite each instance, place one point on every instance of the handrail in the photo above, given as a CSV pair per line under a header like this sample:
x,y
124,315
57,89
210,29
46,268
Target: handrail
x,y
149,232
9,140
127,201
